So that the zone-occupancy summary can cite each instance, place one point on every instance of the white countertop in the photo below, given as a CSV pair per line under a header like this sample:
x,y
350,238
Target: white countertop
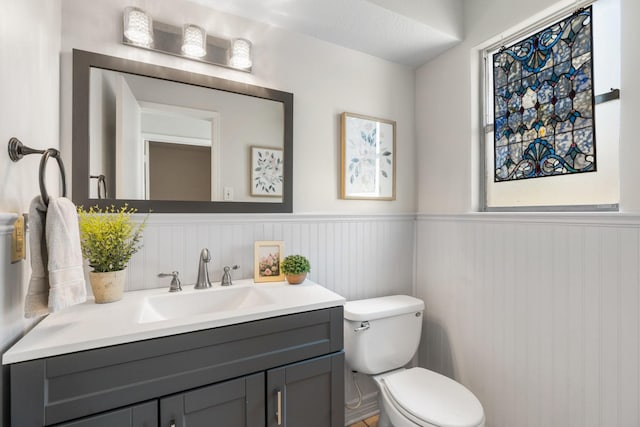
x,y
88,326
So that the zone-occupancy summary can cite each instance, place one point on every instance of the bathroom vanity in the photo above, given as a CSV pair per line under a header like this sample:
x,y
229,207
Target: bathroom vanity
x,y
281,364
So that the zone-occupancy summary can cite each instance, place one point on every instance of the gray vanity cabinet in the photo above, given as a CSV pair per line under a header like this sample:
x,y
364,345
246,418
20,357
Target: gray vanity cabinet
x,y
301,394
227,376
296,395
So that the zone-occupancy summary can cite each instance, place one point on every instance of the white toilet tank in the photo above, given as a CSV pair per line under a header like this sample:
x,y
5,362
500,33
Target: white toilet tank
x,y
381,334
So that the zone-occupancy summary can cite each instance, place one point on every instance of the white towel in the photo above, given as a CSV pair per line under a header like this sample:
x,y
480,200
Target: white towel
x,y
36,302
61,284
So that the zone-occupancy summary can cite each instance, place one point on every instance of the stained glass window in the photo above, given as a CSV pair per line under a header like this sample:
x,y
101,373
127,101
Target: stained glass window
x,y
544,103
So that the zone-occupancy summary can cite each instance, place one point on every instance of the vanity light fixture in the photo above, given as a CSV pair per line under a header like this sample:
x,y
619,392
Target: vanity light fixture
x,y
188,41
194,41
138,27
240,53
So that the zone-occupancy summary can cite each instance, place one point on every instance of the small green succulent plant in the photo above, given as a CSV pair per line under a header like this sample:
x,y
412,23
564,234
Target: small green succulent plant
x,y
295,264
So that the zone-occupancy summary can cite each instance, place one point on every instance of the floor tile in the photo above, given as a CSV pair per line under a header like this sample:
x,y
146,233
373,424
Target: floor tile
x,y
369,422
372,421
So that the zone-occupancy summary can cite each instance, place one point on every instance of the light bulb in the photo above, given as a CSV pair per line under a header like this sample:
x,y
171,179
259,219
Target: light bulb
x,y
194,41
138,26
240,53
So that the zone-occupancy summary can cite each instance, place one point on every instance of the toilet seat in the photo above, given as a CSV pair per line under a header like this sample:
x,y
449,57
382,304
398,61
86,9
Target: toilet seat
x,y
430,399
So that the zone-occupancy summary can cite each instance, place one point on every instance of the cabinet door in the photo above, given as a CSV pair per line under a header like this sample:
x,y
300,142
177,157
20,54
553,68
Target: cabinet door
x,y
235,403
143,415
309,393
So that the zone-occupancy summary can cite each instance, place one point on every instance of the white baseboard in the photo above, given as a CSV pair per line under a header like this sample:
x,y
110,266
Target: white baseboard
x,y
368,408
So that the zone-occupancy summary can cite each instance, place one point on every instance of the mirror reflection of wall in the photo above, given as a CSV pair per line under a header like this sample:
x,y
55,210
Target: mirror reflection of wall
x,y
178,153
178,171
155,139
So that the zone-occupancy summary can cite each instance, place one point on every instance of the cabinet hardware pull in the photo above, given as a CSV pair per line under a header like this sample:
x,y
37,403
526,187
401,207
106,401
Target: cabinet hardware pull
x,y
279,408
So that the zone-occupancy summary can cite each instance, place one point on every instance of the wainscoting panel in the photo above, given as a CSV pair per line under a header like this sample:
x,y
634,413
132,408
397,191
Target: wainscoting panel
x,y
355,256
13,284
537,315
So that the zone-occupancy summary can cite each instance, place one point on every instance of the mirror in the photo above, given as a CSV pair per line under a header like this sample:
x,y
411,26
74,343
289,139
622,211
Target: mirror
x,y
168,140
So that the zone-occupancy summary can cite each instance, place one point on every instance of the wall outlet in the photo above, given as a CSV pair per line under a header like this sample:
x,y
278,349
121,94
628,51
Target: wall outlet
x,y
18,247
227,193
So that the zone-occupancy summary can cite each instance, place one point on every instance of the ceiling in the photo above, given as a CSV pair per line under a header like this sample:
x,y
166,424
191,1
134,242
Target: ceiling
x,y
408,32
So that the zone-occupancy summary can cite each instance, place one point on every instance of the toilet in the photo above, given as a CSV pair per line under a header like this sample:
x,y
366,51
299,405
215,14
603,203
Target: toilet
x,y
381,335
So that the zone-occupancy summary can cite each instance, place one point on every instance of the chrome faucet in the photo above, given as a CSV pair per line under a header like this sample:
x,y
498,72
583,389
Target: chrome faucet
x,y
203,281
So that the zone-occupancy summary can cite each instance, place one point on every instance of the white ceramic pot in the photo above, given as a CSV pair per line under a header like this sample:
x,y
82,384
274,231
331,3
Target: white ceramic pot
x,y
107,286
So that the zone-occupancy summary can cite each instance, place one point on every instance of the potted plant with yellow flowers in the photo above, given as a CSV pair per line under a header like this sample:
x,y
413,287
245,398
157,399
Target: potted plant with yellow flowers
x,y
295,268
108,238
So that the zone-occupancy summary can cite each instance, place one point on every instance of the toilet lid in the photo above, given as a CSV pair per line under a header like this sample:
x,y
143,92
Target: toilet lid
x,y
434,398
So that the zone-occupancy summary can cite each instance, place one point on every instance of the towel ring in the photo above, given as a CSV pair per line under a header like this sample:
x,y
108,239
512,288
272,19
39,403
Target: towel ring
x,y
102,184
17,150
51,152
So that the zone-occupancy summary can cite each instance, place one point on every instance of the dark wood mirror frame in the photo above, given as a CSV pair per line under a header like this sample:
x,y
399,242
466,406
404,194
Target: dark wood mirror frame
x,y
82,64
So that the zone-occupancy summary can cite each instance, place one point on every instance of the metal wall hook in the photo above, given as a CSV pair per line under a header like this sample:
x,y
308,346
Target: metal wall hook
x,y
17,150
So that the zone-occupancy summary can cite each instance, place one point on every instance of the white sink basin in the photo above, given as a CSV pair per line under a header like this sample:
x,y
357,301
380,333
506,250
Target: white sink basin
x,y
154,313
202,301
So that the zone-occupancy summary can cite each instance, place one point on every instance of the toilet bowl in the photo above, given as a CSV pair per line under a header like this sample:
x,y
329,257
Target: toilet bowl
x,y
419,397
381,337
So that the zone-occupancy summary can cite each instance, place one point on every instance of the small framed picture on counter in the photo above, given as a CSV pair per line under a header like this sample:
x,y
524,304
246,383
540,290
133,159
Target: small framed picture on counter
x,y
267,260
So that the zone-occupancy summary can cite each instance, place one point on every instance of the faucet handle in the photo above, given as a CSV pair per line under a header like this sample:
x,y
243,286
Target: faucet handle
x,y
175,281
226,276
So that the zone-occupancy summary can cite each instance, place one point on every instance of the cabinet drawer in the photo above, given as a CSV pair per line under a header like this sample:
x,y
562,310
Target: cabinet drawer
x,y
143,415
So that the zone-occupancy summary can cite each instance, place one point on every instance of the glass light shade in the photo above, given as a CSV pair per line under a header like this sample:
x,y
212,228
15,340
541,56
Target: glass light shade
x,y
194,41
240,53
138,26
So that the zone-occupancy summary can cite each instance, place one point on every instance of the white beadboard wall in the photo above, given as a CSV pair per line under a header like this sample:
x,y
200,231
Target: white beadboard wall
x,y
357,256
12,290
537,314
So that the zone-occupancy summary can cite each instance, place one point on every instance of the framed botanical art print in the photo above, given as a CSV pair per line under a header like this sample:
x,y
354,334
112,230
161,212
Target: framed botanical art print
x,y
267,171
368,165
267,260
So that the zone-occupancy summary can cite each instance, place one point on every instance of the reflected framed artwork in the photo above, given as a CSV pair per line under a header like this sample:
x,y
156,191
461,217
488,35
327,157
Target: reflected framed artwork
x,y
368,166
267,260
267,171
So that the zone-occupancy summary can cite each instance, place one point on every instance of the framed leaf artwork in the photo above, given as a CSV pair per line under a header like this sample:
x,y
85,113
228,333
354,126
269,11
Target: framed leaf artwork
x,y
267,171
368,158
